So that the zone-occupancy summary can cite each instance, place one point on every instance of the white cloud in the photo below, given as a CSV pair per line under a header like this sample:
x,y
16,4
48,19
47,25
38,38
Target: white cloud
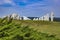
x,y
38,4
6,2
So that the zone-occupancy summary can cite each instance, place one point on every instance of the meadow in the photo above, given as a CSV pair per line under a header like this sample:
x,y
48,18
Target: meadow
x,y
43,26
29,30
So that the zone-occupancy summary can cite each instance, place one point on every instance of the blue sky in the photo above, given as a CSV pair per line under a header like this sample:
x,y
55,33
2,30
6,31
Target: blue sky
x,y
31,8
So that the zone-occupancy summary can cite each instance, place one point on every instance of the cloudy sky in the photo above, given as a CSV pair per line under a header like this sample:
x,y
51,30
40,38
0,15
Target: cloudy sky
x,y
33,8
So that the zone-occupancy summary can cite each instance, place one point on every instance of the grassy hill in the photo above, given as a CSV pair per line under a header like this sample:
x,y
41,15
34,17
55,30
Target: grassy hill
x,y
29,30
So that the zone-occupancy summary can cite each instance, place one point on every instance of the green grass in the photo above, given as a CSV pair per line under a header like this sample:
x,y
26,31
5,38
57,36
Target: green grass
x,y
29,30
43,26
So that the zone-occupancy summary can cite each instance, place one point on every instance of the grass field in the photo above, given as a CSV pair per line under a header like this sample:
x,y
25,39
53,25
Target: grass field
x,y
43,26
8,30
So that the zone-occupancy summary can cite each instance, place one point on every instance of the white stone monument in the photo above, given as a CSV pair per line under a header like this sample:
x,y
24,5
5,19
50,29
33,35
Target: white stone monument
x,y
25,18
36,19
46,17
52,16
14,16
41,18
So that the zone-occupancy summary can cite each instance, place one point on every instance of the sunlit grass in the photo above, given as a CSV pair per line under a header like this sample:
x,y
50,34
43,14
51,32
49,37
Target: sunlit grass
x,y
29,30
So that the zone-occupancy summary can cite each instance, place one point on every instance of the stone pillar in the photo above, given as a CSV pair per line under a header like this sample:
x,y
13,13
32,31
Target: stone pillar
x,y
52,16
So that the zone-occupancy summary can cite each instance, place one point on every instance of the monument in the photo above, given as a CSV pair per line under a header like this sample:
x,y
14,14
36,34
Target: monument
x,y
52,16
